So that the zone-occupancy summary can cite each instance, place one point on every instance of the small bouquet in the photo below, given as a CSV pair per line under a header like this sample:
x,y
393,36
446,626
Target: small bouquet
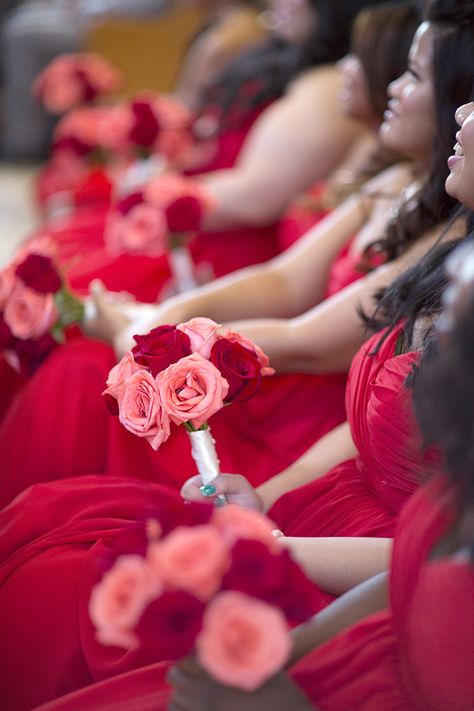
x,y
35,308
161,219
215,581
74,79
184,374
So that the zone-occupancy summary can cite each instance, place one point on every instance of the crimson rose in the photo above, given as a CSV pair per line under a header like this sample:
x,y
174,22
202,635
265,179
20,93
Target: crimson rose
x,y
184,214
146,127
6,336
38,273
31,353
128,203
160,348
239,366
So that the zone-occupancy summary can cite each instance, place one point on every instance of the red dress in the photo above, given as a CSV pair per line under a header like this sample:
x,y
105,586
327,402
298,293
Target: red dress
x,y
416,656
257,438
362,496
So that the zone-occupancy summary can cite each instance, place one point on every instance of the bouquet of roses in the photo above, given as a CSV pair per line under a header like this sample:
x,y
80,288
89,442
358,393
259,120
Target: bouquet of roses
x,y
184,374
211,580
74,79
35,308
160,219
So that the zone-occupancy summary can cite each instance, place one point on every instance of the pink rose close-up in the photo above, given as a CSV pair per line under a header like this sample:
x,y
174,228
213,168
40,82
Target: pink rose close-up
x,y
7,282
243,641
235,522
28,313
236,337
192,390
202,333
126,367
140,409
142,231
192,559
119,599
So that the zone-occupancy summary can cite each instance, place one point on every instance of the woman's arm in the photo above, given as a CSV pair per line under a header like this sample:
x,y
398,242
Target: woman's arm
x,y
337,565
296,142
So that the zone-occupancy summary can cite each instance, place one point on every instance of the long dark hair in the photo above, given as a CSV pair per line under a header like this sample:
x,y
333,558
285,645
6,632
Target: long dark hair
x,y
263,73
453,68
443,398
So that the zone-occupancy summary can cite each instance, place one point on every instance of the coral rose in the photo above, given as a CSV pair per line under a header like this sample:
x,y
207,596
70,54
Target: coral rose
x,y
192,559
234,522
236,337
161,347
192,390
118,601
141,231
239,366
202,333
7,282
119,374
140,409
29,314
243,641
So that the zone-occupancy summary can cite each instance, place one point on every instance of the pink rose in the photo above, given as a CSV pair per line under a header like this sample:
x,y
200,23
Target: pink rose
x,y
243,641
59,97
236,337
28,313
141,231
7,282
234,522
192,559
126,367
192,390
140,409
202,333
118,601
100,73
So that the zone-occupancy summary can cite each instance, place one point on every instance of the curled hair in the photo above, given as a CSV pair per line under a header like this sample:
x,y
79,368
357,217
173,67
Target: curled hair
x,y
263,73
453,62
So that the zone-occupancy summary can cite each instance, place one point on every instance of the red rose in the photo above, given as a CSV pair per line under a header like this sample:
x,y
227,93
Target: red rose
x,y
39,273
169,626
128,203
146,126
6,337
274,578
71,144
89,91
184,214
239,366
31,353
160,348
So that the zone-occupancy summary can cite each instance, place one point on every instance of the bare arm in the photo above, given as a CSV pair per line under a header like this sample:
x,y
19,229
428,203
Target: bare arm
x,y
296,142
339,564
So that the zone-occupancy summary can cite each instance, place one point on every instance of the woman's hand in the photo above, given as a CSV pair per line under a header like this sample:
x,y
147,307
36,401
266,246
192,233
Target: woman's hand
x,y
234,487
110,313
195,690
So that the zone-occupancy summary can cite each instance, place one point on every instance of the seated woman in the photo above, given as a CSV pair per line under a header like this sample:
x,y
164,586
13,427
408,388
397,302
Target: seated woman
x,y
401,641
91,441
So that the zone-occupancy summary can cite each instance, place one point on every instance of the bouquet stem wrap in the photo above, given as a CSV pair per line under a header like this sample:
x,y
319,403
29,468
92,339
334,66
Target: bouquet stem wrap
x,y
203,451
182,268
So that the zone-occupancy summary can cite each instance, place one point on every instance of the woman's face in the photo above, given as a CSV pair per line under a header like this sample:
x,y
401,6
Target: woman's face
x,y
294,21
409,122
354,94
460,182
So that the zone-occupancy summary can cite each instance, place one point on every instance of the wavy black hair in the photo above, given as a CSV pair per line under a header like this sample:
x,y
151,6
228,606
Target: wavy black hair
x,y
263,73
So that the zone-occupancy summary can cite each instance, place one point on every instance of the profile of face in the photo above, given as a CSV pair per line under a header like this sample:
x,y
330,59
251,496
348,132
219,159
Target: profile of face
x,y
294,21
354,96
460,181
409,123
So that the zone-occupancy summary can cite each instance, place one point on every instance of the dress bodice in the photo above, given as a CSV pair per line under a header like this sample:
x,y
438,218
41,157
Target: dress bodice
x,y
344,270
392,459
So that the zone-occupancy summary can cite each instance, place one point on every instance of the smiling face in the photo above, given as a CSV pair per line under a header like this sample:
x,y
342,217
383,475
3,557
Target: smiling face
x,y
409,122
460,182
354,94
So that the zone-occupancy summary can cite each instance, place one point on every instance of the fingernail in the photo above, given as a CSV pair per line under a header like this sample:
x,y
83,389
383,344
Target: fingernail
x,y
207,489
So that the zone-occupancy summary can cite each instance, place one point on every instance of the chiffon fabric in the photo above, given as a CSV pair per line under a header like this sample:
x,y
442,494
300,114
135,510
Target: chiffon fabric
x,y
57,540
416,656
362,496
70,431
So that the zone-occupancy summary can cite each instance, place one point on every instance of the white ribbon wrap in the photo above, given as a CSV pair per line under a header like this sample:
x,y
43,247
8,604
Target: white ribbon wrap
x,y
204,453
182,268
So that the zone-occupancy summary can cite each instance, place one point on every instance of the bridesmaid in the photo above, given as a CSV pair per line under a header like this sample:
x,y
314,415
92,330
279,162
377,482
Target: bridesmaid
x,y
110,449
416,620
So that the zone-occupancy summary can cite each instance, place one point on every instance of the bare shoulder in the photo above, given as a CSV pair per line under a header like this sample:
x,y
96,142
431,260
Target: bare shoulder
x,y
325,79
